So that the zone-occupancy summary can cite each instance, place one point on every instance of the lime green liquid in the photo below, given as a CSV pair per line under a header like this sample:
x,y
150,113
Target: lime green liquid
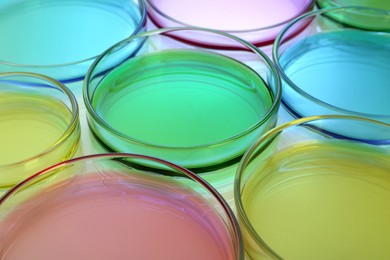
x,y
31,125
323,201
384,4
181,99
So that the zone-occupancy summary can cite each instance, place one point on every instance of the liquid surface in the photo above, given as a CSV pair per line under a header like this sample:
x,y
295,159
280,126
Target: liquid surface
x,y
29,125
57,32
108,216
384,4
347,69
236,15
181,98
322,201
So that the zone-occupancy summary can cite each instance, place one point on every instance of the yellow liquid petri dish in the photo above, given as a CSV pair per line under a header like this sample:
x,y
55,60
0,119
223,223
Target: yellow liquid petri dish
x,y
39,125
313,196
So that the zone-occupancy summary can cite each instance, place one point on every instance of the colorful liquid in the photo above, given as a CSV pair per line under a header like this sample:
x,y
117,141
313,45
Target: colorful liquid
x,y
109,216
248,16
322,200
30,125
59,32
346,69
383,4
182,100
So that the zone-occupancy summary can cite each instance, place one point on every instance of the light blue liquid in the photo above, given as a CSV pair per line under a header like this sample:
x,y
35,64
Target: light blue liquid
x,y
63,31
346,69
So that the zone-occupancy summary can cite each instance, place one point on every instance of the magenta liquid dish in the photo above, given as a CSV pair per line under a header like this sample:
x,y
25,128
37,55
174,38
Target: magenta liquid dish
x,y
256,21
115,210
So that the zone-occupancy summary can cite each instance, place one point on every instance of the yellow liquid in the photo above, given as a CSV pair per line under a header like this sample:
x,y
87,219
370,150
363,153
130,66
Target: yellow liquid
x,y
326,200
29,126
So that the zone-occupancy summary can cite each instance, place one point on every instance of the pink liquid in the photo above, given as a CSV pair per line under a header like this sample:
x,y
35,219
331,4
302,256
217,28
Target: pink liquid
x,y
231,15
112,218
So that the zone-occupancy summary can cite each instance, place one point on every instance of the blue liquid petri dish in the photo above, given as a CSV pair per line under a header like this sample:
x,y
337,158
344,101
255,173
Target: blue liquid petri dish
x,y
62,38
334,68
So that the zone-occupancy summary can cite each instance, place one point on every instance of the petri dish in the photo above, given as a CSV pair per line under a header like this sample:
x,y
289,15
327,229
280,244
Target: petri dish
x,y
108,206
39,125
256,21
197,107
61,38
303,194
335,68
341,3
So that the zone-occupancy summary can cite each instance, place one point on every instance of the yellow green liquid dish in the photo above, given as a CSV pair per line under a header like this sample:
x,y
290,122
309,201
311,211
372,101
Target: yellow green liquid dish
x,y
322,200
31,125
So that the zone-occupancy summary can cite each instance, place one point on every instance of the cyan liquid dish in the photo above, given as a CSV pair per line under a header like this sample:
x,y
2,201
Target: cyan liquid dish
x,y
346,69
322,200
185,106
61,32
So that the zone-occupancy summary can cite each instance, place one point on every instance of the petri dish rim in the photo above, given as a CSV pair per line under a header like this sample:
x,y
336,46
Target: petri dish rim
x,y
74,122
275,55
271,111
142,22
226,209
307,7
241,212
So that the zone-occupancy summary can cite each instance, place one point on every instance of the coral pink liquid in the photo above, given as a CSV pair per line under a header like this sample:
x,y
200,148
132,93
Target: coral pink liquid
x,y
111,217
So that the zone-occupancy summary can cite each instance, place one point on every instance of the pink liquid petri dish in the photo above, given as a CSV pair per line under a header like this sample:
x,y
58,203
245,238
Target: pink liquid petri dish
x,y
112,206
256,21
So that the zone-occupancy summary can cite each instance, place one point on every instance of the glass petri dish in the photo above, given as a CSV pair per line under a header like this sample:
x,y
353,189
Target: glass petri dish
x,y
303,194
39,125
341,3
108,206
62,38
197,107
334,68
256,21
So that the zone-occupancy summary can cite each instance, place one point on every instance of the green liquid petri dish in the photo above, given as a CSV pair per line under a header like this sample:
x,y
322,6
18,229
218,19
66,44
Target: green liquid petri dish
x,y
61,38
196,107
39,125
376,19
303,194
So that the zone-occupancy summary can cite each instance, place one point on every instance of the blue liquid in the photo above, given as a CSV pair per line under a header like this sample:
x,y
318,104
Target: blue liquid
x,y
56,32
348,70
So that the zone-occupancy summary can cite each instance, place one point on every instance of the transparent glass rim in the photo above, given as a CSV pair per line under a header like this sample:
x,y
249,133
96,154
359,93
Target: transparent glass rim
x,y
241,212
279,40
307,7
226,209
271,111
139,27
72,125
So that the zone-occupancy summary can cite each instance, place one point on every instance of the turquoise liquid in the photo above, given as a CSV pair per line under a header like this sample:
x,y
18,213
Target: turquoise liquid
x,y
197,109
347,70
60,32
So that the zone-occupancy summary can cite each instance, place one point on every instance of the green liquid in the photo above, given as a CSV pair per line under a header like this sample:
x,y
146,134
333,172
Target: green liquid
x,y
326,200
383,4
182,99
377,21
